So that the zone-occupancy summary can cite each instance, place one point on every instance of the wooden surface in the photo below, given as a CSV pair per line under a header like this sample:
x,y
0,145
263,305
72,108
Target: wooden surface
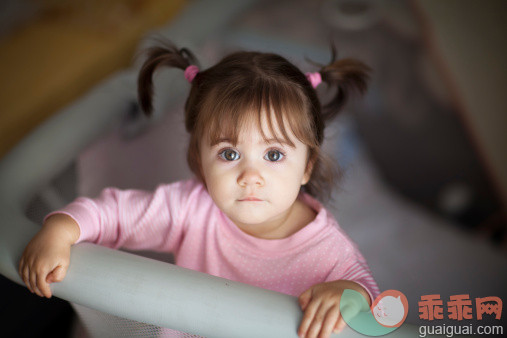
x,y
56,57
467,38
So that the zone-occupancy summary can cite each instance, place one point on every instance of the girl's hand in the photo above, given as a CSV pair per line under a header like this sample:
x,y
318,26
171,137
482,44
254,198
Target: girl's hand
x,y
321,306
46,257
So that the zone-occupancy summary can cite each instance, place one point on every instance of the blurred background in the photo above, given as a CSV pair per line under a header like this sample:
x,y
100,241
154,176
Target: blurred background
x,y
423,153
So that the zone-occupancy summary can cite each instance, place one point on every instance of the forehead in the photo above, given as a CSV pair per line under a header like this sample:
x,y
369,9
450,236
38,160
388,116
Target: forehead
x,y
254,127
277,111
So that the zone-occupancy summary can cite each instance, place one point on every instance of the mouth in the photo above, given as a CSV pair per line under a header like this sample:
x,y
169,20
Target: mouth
x,y
250,199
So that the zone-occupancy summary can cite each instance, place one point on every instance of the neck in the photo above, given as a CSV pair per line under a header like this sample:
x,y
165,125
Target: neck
x,y
291,221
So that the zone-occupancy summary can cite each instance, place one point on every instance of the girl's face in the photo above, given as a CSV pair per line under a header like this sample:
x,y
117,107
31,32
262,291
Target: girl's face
x,y
255,182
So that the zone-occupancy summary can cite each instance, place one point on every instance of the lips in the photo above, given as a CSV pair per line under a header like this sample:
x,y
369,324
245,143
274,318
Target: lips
x,y
250,199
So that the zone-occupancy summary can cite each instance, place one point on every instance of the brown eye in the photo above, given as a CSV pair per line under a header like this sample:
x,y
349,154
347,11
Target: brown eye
x,y
273,156
229,155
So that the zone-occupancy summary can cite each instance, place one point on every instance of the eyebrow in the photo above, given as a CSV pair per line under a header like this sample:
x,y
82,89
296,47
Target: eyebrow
x,y
270,140
221,140
281,141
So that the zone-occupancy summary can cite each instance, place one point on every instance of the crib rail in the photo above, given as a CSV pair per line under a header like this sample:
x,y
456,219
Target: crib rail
x,y
120,283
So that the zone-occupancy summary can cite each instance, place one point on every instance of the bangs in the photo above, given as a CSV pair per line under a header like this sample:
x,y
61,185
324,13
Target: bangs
x,y
230,107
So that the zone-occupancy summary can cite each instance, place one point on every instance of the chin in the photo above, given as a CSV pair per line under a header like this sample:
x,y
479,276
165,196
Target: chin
x,y
249,221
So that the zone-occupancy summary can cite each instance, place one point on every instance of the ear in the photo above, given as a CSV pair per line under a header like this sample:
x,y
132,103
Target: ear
x,y
308,171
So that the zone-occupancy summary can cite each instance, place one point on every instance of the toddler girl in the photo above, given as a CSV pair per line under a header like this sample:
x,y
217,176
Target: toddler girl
x,y
256,129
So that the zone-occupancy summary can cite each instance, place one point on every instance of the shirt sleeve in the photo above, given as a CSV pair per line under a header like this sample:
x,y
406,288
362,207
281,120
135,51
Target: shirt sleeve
x,y
355,268
131,219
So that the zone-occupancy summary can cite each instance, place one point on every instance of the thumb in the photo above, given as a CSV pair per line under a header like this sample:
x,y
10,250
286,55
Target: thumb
x,y
57,275
305,298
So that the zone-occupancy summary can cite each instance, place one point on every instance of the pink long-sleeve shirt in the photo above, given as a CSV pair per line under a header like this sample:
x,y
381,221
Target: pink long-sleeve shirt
x,y
183,219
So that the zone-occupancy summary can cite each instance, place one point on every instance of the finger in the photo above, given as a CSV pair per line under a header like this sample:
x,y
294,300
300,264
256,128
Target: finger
x,y
308,317
318,319
33,283
45,289
40,280
340,325
21,266
332,316
305,298
39,277
32,277
26,279
21,270
42,285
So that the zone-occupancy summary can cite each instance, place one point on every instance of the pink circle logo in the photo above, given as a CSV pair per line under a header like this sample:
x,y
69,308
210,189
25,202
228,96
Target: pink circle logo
x,y
390,308
385,315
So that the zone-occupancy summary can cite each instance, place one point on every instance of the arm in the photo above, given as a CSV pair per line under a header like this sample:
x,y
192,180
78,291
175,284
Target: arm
x,y
46,257
321,302
130,219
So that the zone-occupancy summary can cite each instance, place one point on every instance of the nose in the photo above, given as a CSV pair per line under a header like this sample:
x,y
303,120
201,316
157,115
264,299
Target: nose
x,y
250,177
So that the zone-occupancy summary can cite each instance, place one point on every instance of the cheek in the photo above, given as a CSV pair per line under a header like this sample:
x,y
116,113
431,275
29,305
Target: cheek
x,y
218,181
286,183
217,171
296,173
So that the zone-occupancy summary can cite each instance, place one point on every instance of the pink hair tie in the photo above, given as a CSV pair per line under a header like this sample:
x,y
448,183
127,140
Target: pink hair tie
x,y
314,78
190,73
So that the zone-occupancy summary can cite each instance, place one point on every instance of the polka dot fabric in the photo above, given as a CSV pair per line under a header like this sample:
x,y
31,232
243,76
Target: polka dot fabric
x,y
182,218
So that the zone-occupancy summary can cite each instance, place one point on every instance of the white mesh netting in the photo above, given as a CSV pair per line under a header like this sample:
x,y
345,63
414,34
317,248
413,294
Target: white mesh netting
x,y
100,324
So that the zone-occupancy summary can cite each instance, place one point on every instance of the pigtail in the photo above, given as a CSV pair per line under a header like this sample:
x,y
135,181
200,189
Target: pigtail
x,y
163,55
347,76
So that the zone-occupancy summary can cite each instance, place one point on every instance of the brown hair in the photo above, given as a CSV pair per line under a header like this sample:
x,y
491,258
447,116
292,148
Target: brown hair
x,y
246,84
